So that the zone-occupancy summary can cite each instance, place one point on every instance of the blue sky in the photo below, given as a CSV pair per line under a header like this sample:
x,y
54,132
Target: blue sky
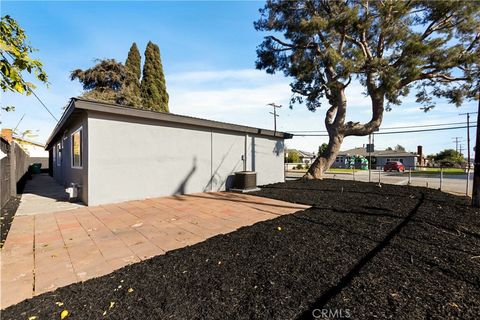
x,y
208,55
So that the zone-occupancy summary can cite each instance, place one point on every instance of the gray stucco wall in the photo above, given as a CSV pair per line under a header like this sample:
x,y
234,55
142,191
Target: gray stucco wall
x,y
144,158
63,173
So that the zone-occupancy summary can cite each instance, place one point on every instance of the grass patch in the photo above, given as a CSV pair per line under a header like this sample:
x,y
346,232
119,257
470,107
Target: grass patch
x,y
340,170
437,171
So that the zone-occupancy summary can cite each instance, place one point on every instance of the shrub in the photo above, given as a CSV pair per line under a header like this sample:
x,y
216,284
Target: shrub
x,y
292,156
299,167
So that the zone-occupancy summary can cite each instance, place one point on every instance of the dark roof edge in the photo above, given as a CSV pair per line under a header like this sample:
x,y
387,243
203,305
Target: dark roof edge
x,y
105,107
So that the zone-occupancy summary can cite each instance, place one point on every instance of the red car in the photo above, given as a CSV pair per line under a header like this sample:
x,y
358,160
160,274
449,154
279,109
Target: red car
x,y
394,166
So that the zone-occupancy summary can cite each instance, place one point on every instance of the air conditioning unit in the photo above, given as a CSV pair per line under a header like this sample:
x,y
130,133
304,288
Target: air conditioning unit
x,y
245,181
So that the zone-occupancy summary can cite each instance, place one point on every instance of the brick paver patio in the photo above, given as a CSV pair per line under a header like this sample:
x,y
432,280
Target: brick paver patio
x,y
50,250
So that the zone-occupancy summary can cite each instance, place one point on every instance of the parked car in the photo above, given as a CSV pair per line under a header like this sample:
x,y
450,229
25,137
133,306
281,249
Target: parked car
x,y
394,166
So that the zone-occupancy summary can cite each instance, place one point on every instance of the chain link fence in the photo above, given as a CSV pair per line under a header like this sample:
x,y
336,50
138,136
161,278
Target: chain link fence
x,y
453,180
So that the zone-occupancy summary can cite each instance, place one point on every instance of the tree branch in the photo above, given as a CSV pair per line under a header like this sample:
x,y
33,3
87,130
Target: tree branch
x,y
432,75
329,118
289,45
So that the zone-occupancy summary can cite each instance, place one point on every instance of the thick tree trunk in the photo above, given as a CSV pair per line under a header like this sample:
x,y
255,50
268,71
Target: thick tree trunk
x,y
338,129
325,160
335,124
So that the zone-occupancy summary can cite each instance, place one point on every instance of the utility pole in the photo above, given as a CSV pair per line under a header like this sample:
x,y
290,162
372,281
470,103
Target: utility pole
x,y
275,115
468,138
369,158
476,163
456,143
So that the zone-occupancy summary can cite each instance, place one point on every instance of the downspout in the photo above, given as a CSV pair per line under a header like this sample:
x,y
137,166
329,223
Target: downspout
x,y
211,160
245,153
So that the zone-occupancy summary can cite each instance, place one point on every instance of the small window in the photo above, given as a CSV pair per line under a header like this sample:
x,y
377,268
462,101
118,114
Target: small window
x,y
77,149
59,154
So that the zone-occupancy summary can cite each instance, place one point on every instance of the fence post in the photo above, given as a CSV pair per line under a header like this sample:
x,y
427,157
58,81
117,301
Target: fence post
x,y
468,176
409,175
441,177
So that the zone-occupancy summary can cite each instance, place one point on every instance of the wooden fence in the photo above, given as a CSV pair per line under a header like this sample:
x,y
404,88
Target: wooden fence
x,y
13,170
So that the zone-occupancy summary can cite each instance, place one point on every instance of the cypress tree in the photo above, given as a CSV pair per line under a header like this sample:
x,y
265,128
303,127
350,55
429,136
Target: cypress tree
x,y
131,91
133,62
153,89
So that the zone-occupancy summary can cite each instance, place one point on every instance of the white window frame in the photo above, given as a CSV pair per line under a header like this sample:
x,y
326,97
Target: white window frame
x,y
59,150
80,129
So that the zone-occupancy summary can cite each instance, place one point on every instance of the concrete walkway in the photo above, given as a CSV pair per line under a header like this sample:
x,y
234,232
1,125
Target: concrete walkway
x,y
50,250
42,194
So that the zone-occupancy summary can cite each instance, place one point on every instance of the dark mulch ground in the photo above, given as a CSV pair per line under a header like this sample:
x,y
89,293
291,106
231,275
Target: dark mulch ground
x,y
6,217
361,252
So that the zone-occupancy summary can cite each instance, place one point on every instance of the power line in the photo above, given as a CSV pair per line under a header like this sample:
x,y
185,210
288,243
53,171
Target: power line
x,y
15,130
43,104
31,90
388,128
392,132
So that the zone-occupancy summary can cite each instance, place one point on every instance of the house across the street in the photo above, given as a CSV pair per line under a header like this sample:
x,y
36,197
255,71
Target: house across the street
x,y
112,153
380,157
305,157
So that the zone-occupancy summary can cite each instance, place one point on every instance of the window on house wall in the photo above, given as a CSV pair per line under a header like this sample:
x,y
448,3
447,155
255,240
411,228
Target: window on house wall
x,y
77,148
59,154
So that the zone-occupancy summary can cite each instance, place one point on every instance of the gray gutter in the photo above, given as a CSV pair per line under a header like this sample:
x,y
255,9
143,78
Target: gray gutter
x,y
97,106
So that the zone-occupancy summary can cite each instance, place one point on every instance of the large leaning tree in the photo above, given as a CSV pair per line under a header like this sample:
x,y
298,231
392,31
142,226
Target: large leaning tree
x,y
390,47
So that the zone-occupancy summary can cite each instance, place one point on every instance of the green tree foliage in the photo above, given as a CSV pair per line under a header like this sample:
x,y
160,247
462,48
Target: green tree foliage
x,y
390,47
153,88
131,90
133,62
103,82
292,156
322,148
449,157
15,59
